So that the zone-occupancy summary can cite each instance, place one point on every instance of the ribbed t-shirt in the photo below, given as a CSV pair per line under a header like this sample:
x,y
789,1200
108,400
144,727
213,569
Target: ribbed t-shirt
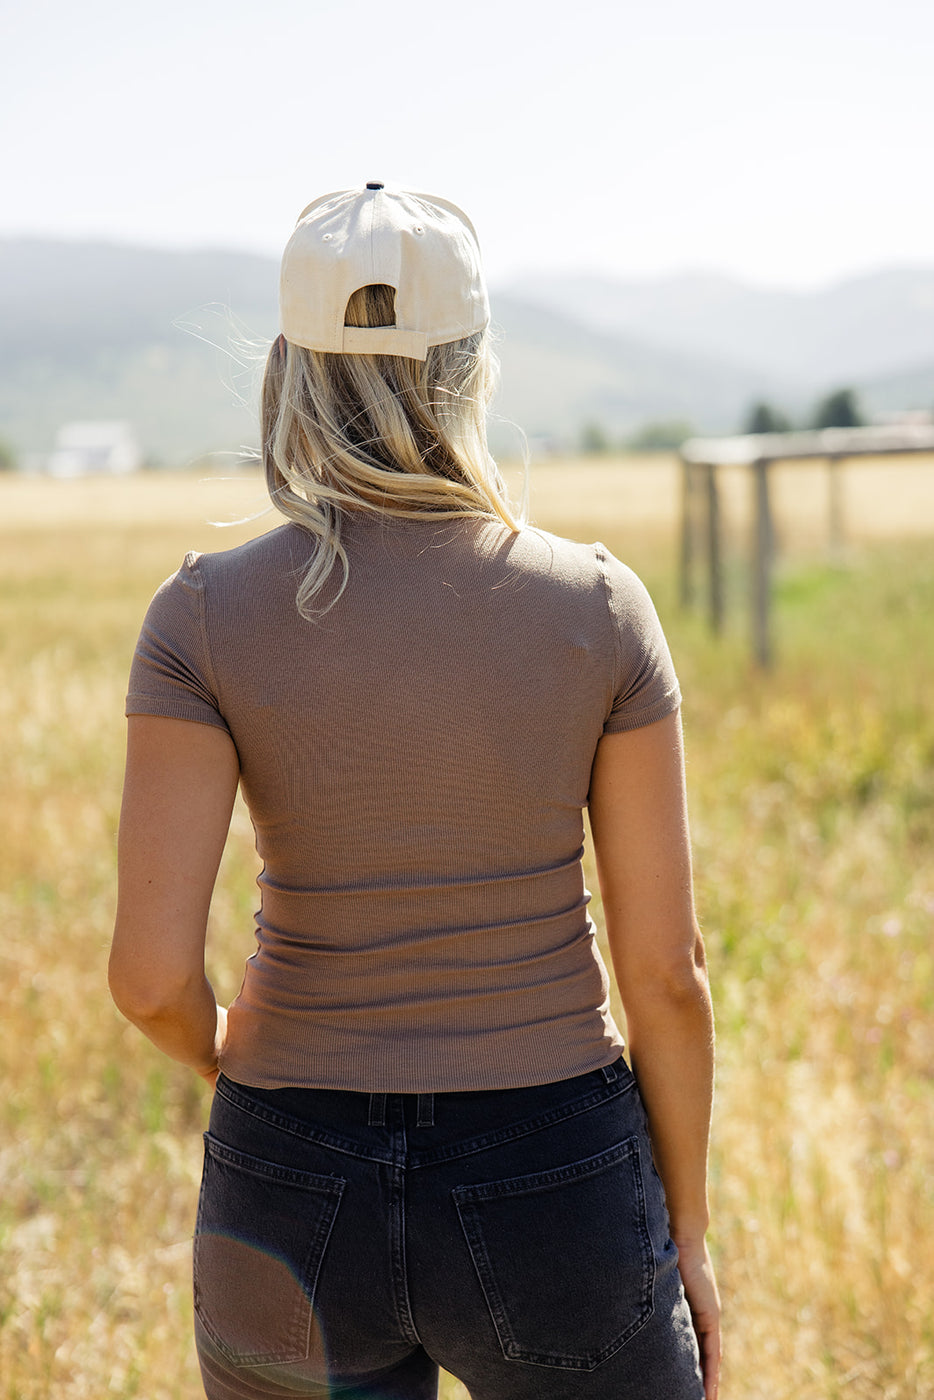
x,y
416,762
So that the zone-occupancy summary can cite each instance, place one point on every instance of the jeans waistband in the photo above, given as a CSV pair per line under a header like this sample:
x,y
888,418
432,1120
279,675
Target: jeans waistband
x,y
433,1126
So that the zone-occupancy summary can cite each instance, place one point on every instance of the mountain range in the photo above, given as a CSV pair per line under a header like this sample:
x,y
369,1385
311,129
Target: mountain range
x,y
173,342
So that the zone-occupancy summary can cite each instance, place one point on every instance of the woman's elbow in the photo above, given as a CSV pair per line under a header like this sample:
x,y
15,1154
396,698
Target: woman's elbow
x,y
141,993
131,995
675,975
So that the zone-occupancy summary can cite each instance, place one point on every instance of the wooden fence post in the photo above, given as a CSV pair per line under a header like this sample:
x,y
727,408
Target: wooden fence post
x,y
762,566
835,528
686,590
714,552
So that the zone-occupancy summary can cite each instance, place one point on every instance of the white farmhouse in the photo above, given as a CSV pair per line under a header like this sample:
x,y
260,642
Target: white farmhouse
x,y
80,449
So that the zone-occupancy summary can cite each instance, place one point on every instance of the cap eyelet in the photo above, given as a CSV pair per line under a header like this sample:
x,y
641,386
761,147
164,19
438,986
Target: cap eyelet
x,y
419,228
326,237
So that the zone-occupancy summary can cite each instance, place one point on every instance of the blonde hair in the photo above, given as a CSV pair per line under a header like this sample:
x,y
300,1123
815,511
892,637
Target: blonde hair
x,y
377,433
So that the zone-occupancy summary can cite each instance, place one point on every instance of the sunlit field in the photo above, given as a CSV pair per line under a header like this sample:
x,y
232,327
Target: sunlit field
x,y
812,801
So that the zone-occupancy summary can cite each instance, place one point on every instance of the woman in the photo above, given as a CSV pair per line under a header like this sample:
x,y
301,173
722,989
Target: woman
x,y
425,1148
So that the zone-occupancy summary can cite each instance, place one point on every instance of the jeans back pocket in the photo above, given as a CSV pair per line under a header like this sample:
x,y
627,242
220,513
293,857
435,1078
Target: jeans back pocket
x,y
564,1257
260,1239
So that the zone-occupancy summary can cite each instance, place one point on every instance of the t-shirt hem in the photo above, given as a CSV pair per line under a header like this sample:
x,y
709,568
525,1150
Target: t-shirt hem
x,y
149,705
619,723
525,1076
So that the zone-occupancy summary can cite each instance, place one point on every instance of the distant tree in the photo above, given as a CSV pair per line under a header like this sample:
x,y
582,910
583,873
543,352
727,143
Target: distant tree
x,y
7,457
594,438
663,436
838,410
764,418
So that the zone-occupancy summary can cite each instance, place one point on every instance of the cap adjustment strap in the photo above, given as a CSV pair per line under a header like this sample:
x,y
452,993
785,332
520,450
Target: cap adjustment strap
x,y
385,340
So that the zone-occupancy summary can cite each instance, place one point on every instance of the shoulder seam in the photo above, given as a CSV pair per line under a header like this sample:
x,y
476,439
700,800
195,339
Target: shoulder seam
x,y
600,553
192,562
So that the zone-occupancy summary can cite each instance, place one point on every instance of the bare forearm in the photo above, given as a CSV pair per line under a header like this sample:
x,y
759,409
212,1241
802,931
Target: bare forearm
x,y
190,1027
671,1045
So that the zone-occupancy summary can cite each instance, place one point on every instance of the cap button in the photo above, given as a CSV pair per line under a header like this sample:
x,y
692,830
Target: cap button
x,y
375,185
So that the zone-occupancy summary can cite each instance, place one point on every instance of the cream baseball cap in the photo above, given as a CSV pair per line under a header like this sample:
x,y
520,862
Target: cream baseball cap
x,y
422,246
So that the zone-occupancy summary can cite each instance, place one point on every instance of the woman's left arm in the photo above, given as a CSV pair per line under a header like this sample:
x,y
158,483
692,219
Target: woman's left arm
x,y
178,795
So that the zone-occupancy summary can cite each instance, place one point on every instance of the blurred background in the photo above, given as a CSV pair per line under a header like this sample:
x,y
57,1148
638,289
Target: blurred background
x,y
684,212
696,219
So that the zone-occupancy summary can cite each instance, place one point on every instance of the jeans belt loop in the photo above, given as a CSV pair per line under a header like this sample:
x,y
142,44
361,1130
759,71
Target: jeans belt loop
x,y
377,1114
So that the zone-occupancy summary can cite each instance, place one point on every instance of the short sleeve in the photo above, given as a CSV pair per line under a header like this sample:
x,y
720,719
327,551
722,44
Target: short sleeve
x,y
171,672
645,686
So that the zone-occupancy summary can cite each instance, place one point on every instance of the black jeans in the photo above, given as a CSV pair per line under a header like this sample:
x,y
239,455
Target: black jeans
x,y
348,1244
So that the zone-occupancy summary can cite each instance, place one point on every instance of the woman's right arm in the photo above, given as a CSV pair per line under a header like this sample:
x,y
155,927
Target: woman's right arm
x,y
638,817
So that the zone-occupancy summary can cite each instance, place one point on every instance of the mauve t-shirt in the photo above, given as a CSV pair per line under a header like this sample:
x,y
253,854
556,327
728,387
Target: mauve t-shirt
x,y
416,762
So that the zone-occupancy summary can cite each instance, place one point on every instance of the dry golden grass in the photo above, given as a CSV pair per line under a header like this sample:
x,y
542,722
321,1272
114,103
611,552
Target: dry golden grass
x,y
812,794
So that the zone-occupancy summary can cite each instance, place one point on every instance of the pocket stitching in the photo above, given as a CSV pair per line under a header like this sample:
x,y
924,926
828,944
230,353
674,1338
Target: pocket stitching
x,y
466,1198
332,1188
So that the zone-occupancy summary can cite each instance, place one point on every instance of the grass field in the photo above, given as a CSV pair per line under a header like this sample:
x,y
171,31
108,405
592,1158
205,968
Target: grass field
x,y
812,798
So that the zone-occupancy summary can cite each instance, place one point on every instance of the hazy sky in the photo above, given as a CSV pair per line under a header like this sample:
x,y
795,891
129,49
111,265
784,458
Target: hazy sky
x,y
790,143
